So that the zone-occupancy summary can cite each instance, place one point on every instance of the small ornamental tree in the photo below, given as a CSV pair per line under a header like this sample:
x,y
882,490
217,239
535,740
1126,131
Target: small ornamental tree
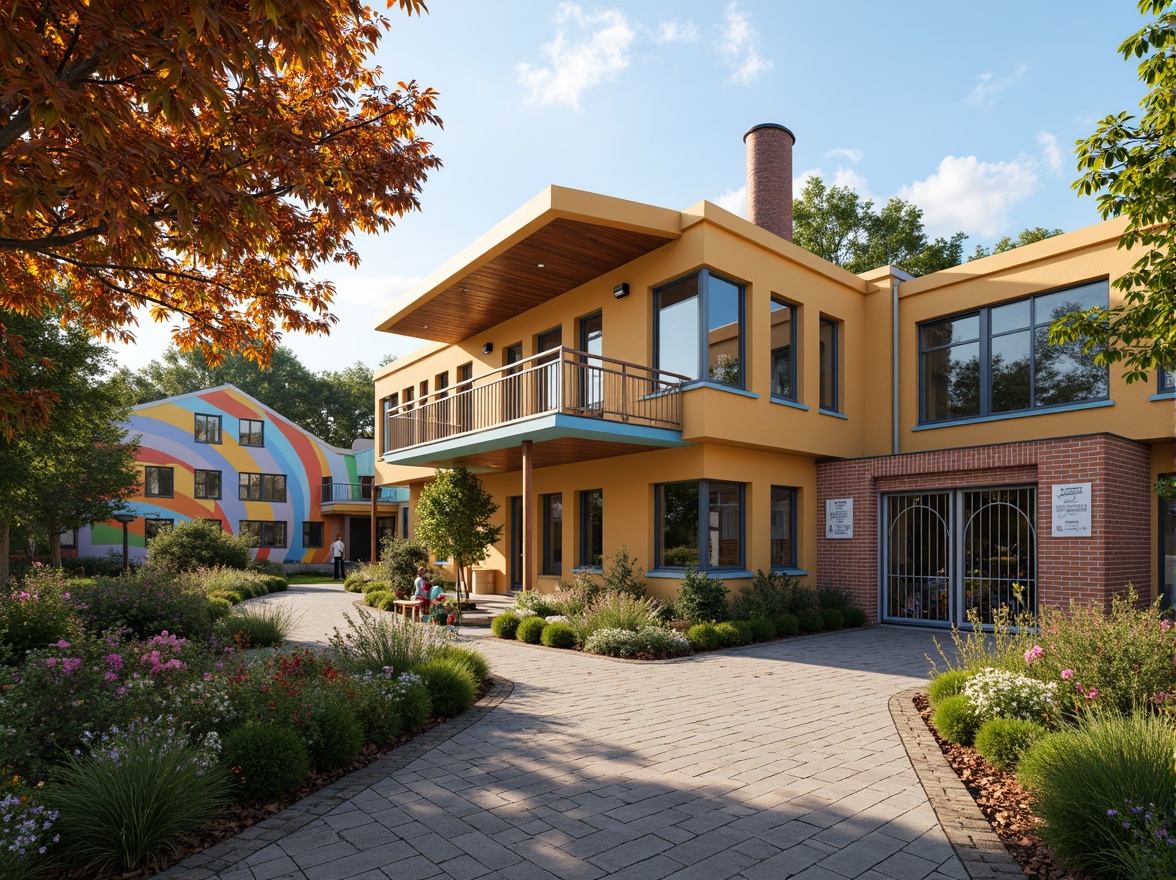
x,y
453,518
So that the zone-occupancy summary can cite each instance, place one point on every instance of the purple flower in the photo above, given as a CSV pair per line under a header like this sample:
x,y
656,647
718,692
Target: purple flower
x,y
1066,673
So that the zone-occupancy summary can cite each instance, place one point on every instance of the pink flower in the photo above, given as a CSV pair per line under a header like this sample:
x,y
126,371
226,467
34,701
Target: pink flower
x,y
1066,673
71,665
1092,694
1033,653
208,676
111,676
65,595
1165,625
50,662
63,644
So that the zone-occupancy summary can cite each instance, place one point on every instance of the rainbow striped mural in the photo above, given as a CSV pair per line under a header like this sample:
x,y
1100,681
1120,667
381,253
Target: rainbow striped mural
x,y
167,432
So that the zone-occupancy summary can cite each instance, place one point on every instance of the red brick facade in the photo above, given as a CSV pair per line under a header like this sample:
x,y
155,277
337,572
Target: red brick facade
x,y
1082,569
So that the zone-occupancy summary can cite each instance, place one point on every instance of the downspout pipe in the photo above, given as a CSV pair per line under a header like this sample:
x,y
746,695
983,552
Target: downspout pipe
x,y
894,363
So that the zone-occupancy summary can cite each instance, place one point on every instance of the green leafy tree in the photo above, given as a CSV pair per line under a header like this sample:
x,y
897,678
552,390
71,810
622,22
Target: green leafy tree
x,y
79,467
835,224
1132,164
1026,236
453,518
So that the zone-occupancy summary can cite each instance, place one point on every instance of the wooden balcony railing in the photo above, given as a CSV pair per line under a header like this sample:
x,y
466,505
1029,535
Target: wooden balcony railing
x,y
561,380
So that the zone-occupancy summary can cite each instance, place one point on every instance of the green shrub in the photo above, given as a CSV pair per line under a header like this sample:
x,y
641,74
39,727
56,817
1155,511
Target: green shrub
x,y
703,637
376,642
540,604
451,685
230,596
109,565
147,602
617,611
1002,741
946,684
622,574
730,635
195,544
399,560
334,736
648,643
559,635
813,622
956,720
530,630
787,625
1105,763
505,626
132,796
702,598
746,633
833,618
369,587
387,601
275,583
376,598
572,597
772,594
415,703
267,761
354,583
248,583
475,661
219,608
377,705
37,614
762,629
855,617
267,567
259,625
832,597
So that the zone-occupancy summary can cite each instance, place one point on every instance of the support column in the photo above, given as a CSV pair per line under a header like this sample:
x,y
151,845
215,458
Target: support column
x,y
375,531
528,517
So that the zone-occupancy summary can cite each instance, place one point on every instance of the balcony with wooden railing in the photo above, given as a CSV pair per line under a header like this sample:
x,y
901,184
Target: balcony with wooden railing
x,y
593,405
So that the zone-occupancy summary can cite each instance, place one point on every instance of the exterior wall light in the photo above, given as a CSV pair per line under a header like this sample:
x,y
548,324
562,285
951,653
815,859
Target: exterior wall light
x,y
621,290
487,347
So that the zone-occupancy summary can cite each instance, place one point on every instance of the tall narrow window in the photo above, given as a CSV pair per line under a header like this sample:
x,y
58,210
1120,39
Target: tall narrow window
x,y
158,482
724,331
591,528
829,354
677,327
591,384
207,429
441,384
252,432
698,328
553,533
783,346
388,407
783,524
312,534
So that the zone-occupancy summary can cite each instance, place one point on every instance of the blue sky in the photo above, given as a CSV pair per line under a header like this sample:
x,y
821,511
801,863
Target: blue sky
x,y
970,111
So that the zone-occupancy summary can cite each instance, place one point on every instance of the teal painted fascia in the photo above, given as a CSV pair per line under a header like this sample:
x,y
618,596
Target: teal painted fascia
x,y
556,426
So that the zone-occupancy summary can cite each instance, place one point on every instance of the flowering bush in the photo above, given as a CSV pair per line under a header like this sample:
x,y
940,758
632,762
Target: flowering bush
x,y
25,827
617,611
37,613
534,602
995,693
647,643
147,602
1151,839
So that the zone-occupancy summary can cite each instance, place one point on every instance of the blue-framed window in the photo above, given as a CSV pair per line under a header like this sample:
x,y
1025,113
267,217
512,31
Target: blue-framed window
x,y
783,523
592,528
1166,380
783,349
553,533
698,326
830,381
997,359
251,432
700,524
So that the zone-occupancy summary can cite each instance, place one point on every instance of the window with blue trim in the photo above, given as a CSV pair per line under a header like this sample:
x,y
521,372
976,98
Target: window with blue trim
x,y
830,356
698,328
700,524
997,359
553,533
783,524
783,350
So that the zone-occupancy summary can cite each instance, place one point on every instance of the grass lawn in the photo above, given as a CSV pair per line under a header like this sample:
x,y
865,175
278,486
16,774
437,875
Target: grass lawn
x,y
298,579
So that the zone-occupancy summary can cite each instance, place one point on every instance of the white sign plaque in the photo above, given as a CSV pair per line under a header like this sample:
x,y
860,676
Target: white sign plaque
x,y
838,517
1071,510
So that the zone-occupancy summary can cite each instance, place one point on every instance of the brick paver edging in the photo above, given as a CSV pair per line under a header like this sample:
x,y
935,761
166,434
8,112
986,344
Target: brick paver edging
x,y
229,852
978,847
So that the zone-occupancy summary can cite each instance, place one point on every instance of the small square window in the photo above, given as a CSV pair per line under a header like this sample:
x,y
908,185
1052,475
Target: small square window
x,y
207,484
158,482
208,429
252,432
152,527
312,534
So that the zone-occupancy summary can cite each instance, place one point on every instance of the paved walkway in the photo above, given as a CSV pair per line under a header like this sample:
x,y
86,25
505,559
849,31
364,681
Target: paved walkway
x,y
773,761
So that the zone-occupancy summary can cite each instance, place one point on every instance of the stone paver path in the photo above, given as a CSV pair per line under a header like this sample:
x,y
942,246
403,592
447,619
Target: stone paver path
x,y
773,761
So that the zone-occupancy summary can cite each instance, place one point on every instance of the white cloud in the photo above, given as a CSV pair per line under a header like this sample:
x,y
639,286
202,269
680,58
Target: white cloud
x,y
677,32
740,46
734,200
1050,151
989,86
843,176
589,48
973,196
852,155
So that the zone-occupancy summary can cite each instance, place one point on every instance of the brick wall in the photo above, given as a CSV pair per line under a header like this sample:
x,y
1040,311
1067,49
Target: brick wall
x,y
1084,569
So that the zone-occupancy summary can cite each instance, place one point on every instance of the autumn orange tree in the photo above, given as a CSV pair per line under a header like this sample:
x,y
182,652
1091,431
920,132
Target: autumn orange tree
x,y
201,158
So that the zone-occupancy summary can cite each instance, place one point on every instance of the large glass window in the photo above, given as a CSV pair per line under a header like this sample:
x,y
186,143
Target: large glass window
x,y
783,347
553,533
783,522
700,524
208,429
252,432
158,482
262,487
830,390
998,359
262,533
207,484
592,528
698,328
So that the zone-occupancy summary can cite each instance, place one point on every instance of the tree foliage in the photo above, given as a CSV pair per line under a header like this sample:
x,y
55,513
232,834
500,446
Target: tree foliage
x,y
201,159
336,405
835,224
1132,164
79,467
453,518
1026,236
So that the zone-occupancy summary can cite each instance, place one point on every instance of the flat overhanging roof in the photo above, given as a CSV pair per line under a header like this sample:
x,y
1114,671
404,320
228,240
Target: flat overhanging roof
x,y
561,239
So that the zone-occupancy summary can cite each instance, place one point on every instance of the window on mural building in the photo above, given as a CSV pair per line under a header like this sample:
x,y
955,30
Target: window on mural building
x,y
312,534
207,429
262,487
783,350
158,482
152,526
252,432
207,484
700,524
998,359
698,328
262,533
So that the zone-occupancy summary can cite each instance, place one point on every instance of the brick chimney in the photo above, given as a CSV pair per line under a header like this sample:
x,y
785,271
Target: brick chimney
x,y
769,177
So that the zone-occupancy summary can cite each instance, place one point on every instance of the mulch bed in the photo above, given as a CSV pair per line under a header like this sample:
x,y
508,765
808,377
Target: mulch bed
x,y
1007,806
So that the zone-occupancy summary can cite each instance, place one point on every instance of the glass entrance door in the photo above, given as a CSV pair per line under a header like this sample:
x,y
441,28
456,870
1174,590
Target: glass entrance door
x,y
547,386
516,542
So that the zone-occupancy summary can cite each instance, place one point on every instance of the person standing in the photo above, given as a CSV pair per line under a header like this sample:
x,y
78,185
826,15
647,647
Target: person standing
x,y
337,551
